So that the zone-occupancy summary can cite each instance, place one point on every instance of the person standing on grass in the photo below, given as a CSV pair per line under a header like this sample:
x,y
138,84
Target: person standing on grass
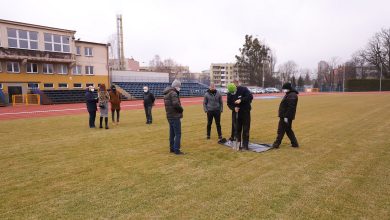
x,y
104,98
115,100
240,100
213,107
148,104
91,105
287,110
174,112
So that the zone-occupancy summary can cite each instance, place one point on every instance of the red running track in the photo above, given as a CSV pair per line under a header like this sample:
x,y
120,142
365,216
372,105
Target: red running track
x,y
20,112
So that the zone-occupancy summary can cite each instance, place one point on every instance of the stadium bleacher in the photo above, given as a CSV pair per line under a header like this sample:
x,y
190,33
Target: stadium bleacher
x,y
65,96
136,88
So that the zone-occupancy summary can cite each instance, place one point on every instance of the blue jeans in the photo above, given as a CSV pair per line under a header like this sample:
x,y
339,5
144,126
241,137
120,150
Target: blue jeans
x,y
174,134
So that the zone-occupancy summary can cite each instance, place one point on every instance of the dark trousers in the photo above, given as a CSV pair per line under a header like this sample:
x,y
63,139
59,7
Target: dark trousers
x,y
174,134
233,134
243,127
117,114
92,117
217,116
148,113
285,128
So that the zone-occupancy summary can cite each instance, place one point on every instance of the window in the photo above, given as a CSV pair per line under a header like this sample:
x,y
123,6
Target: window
x,y
88,51
33,85
77,70
62,85
89,84
22,39
48,68
62,69
13,67
77,85
56,43
32,67
48,85
78,50
89,70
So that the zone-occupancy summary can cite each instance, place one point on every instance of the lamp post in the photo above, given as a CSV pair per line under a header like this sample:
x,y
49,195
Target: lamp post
x,y
380,79
344,79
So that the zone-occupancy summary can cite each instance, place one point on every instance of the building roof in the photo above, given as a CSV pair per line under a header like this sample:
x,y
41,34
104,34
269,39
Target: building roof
x,y
36,26
88,42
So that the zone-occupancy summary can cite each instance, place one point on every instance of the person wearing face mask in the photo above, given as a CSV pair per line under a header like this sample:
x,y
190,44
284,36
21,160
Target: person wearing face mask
x,y
174,112
239,101
213,107
104,98
91,101
148,104
287,110
115,100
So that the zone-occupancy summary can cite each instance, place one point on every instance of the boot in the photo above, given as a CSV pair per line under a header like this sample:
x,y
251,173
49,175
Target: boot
x,y
101,122
106,122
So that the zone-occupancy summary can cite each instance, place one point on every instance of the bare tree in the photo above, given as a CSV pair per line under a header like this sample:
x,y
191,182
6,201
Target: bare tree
x,y
287,71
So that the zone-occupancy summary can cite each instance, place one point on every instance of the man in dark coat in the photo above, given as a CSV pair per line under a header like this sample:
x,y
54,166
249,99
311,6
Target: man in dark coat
x,y
213,107
240,101
91,101
287,110
174,112
148,104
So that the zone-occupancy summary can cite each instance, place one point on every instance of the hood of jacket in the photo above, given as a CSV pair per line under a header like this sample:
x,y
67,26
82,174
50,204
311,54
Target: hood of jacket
x,y
168,90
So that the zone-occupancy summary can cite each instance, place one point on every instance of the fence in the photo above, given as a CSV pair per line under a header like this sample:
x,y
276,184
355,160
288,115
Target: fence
x,y
28,99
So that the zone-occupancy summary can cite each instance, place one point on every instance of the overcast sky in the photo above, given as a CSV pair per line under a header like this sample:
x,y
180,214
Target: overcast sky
x,y
198,33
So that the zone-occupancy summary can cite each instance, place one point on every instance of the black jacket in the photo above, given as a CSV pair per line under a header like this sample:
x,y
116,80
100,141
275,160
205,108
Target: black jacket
x,y
172,103
91,101
242,93
148,99
288,105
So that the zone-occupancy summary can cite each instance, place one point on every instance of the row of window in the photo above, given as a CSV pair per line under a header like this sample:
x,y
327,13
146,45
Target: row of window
x,y
60,85
29,40
48,68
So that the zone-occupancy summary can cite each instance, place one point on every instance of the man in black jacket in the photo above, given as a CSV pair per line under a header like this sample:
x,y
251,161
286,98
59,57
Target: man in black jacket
x,y
240,103
91,101
148,104
287,109
174,112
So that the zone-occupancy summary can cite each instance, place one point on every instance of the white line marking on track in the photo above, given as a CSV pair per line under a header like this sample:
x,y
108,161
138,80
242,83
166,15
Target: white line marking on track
x,y
77,109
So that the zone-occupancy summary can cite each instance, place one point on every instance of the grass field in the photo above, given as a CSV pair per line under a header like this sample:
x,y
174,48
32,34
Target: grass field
x,y
56,167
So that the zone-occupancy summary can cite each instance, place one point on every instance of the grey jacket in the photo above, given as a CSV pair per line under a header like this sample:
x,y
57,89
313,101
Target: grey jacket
x,y
212,101
172,103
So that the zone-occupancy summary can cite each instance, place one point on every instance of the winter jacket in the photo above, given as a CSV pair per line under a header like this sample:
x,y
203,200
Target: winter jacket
x,y
242,93
115,100
103,97
172,103
90,101
148,99
288,105
212,101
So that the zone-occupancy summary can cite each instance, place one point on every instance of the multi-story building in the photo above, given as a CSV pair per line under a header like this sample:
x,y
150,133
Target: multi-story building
x,y
222,73
35,56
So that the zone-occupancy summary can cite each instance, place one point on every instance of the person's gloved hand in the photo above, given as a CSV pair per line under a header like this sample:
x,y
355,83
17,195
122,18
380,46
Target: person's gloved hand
x,y
238,101
286,120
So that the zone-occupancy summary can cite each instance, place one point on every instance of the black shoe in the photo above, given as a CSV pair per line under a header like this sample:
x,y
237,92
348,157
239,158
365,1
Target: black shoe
x,y
208,137
179,153
92,127
231,139
295,145
106,127
100,126
171,151
275,145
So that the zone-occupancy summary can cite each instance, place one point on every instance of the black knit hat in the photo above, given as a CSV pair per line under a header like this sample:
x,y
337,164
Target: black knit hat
x,y
287,86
